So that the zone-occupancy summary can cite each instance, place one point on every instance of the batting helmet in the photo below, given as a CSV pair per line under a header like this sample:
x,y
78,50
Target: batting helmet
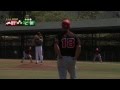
x,y
66,24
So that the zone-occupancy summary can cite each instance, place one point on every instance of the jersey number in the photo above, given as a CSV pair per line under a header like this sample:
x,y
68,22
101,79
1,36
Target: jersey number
x,y
68,43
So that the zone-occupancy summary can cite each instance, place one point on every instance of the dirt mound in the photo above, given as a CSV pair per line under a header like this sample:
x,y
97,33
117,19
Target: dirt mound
x,y
42,66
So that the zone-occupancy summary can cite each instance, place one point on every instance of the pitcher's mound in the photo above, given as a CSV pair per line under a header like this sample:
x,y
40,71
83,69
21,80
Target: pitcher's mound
x,y
42,66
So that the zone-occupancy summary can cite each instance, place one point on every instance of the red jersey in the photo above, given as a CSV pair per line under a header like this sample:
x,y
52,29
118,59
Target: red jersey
x,y
97,51
67,43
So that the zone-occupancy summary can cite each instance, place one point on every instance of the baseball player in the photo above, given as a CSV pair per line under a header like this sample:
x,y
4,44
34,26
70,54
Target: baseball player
x,y
27,54
97,55
38,41
67,47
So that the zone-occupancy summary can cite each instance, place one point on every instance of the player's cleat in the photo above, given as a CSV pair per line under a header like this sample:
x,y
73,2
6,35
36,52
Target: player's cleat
x,y
41,61
22,61
37,62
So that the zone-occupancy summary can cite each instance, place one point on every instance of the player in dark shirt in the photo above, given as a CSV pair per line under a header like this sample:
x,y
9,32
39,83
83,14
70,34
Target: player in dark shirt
x,y
27,54
97,55
67,47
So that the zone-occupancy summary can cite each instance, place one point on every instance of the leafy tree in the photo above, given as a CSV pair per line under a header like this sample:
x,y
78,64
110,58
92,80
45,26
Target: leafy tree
x,y
87,14
46,16
17,14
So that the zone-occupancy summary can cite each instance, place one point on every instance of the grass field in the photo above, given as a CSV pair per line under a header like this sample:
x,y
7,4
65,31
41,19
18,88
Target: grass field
x,y
13,69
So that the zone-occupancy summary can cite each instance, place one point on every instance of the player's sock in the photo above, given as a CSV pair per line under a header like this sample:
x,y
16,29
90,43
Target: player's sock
x,y
41,58
37,62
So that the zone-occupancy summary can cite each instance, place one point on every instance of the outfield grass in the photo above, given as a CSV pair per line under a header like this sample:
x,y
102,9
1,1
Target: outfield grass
x,y
27,74
13,69
105,70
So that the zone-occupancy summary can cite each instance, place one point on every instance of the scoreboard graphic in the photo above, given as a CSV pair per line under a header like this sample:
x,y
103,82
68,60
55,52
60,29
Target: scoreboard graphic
x,y
17,22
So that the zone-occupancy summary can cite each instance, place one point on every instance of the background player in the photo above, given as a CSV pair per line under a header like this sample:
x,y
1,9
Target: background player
x,y
27,54
97,55
67,47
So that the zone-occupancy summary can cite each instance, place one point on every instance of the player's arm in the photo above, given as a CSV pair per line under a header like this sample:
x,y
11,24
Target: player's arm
x,y
78,49
41,38
33,41
56,48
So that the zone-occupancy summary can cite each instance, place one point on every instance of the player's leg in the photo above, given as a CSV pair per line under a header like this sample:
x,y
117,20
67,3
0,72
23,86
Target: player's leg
x,y
62,70
37,54
41,54
71,67
30,57
99,56
95,56
23,57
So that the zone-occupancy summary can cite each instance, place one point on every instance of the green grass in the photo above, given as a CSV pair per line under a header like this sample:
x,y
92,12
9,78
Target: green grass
x,y
85,70
103,70
27,74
